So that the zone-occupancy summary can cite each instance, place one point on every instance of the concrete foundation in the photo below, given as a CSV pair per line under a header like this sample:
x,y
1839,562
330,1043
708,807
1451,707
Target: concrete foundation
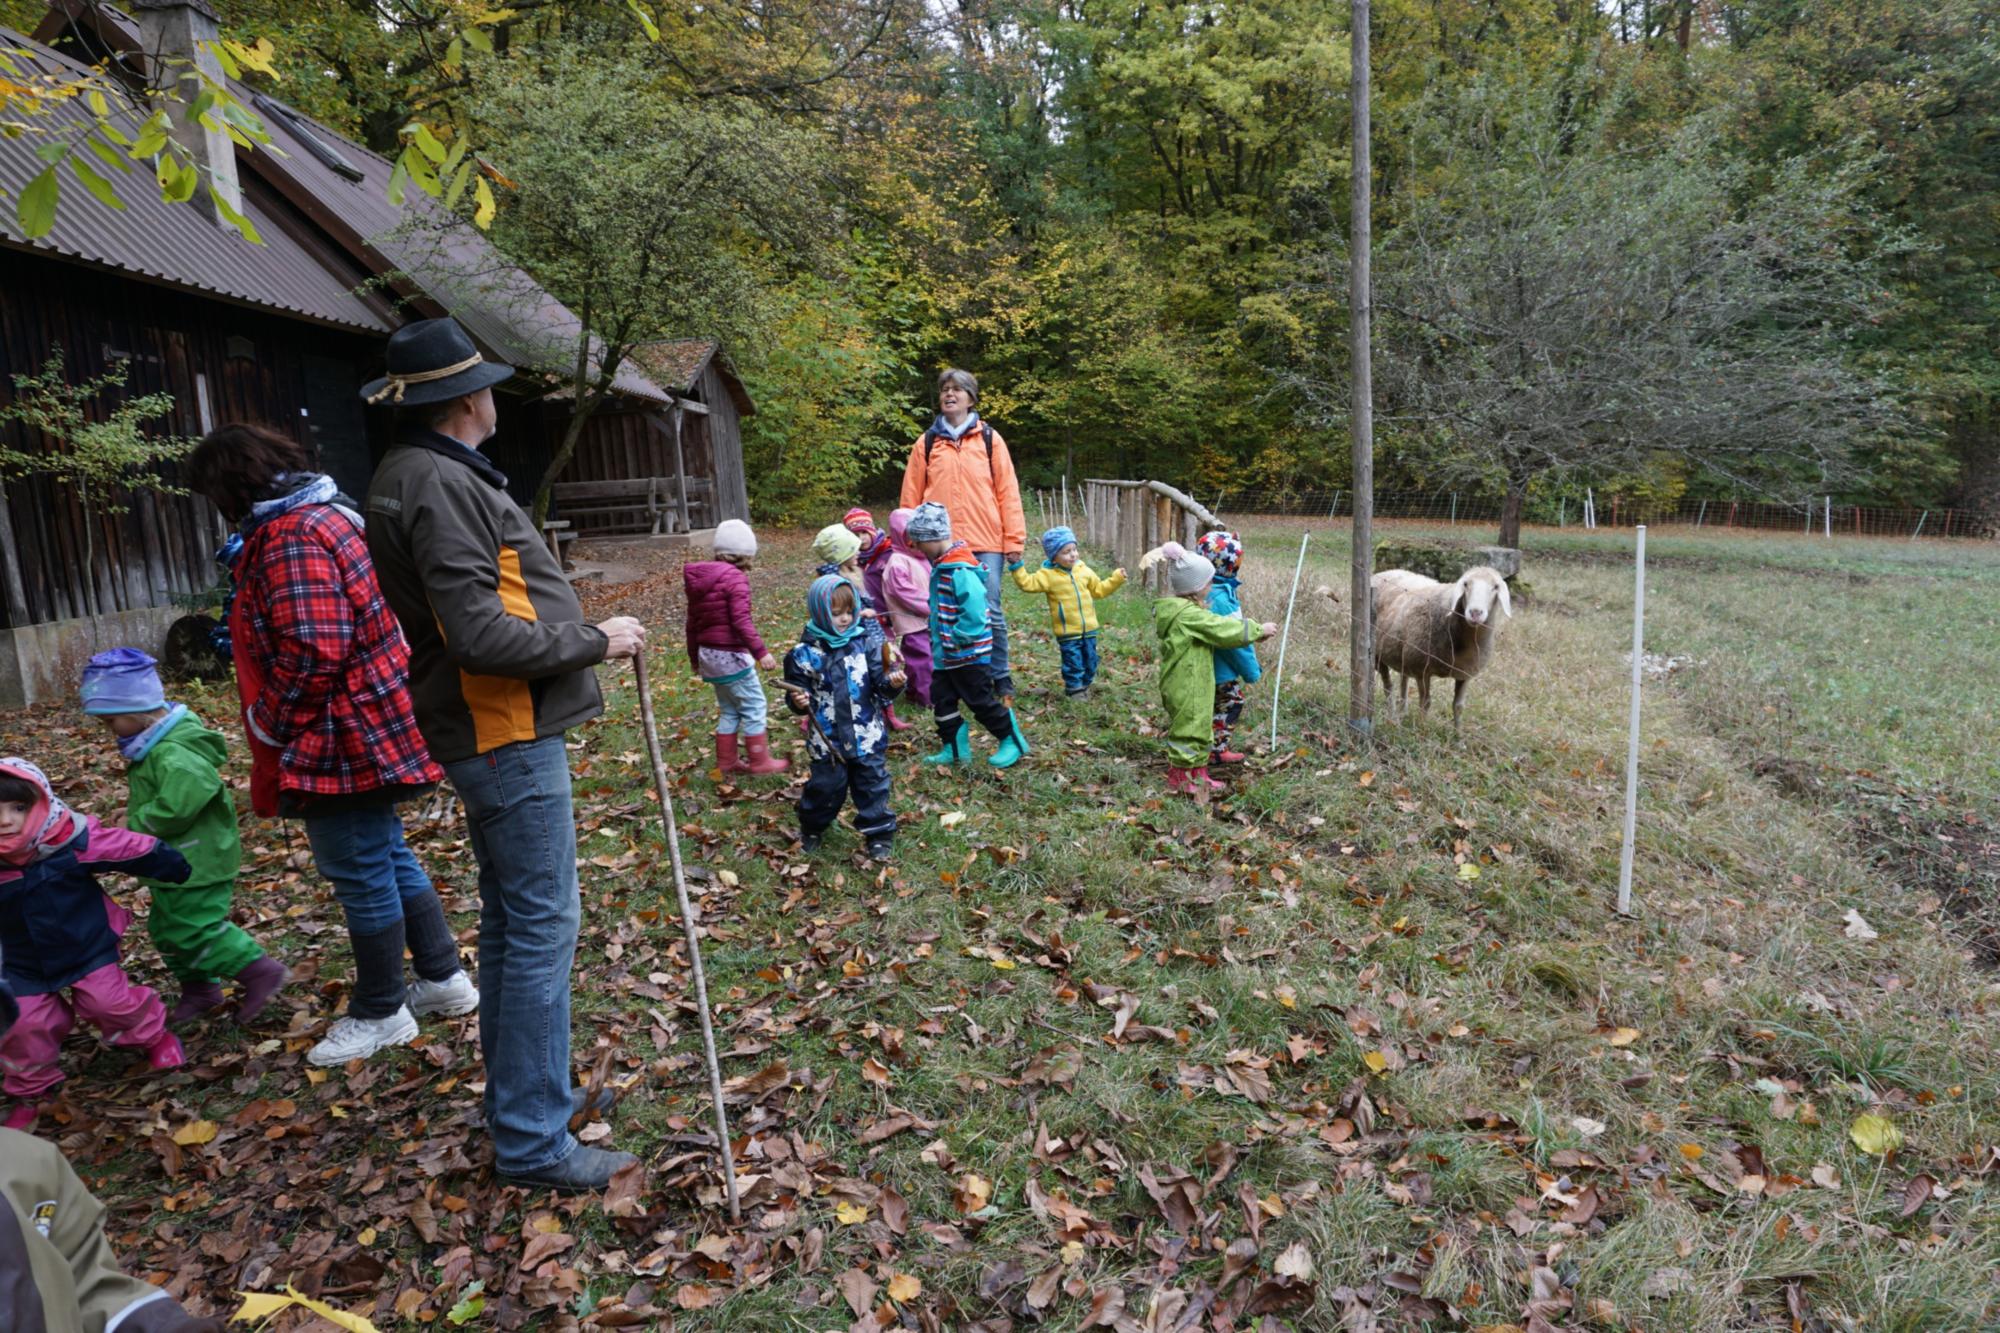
x,y
44,663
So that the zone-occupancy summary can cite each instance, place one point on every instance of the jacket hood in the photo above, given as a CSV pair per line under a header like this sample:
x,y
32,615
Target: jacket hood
x,y
195,736
50,825
899,532
958,553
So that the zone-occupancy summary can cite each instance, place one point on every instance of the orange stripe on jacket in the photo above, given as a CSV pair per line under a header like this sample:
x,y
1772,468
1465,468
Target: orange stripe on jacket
x,y
503,709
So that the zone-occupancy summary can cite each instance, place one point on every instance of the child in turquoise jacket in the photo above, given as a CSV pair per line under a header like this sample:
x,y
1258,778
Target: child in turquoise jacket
x,y
1189,637
1235,668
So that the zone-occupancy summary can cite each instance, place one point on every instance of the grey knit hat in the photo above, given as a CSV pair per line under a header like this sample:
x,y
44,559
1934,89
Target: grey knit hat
x,y
931,523
1186,571
734,537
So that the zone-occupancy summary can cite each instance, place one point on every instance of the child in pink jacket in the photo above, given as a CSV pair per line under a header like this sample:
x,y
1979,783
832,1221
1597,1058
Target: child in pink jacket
x,y
59,934
906,592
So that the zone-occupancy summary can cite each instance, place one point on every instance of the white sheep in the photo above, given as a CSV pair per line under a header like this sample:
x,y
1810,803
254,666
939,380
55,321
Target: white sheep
x,y
1424,628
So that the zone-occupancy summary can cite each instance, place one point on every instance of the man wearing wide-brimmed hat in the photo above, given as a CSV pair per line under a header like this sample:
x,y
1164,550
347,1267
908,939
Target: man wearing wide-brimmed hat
x,y
500,667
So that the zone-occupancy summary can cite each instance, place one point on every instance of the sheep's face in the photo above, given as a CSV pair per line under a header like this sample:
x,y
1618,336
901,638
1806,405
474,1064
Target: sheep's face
x,y
1479,592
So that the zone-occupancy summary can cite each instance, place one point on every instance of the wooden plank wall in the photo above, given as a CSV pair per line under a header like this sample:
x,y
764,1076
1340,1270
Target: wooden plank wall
x,y
164,547
725,440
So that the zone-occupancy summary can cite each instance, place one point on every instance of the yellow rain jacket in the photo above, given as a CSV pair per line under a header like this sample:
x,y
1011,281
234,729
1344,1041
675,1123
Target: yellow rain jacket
x,y
1072,595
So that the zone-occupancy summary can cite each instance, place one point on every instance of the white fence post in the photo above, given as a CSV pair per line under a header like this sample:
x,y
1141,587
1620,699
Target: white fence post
x,y
1632,740
1920,525
1278,680
1829,515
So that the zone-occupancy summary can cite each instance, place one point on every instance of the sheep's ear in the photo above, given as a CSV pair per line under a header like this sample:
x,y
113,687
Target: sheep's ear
x,y
1506,602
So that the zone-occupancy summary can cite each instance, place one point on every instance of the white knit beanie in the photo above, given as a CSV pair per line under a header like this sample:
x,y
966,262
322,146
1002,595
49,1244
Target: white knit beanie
x,y
733,537
1186,571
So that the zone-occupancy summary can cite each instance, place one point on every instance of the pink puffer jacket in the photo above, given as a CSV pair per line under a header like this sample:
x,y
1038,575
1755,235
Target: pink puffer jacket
x,y
906,580
718,610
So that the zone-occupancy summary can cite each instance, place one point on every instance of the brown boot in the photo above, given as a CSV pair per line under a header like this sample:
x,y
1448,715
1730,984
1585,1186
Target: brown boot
x,y
760,760
725,753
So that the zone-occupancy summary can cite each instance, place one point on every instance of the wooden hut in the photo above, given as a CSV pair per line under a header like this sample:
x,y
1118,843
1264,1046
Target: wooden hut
x,y
283,334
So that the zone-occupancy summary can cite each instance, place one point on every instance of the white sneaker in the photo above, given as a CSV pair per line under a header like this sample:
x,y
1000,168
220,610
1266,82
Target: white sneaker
x,y
357,1038
453,997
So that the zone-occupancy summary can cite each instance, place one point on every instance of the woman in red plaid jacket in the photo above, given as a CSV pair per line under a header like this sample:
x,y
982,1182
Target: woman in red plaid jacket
x,y
321,668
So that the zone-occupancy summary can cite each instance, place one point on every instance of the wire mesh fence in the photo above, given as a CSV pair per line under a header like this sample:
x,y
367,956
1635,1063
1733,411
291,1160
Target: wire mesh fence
x,y
1818,516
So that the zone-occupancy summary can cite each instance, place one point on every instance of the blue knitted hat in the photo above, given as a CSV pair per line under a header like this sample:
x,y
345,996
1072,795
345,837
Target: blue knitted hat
x,y
1055,539
121,681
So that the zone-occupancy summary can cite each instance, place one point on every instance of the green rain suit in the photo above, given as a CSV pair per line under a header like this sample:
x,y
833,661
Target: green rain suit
x,y
1189,637
178,795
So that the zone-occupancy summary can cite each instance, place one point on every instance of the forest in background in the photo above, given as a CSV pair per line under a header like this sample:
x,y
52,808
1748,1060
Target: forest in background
x,y
1129,221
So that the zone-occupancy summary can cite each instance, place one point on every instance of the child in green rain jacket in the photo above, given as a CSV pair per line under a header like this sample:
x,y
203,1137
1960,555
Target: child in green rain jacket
x,y
1189,636
178,795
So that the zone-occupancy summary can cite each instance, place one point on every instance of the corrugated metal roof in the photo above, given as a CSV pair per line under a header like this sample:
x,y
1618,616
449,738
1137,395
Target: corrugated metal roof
x,y
174,244
500,305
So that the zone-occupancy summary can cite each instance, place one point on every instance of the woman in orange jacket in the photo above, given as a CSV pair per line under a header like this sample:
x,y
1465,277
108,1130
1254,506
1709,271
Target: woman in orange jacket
x,y
962,463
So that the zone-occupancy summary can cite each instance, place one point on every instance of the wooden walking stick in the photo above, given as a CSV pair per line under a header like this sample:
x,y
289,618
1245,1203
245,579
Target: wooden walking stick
x,y
688,924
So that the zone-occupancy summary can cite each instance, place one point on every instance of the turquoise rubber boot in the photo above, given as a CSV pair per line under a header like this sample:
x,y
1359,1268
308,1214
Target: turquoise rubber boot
x,y
958,750
1015,748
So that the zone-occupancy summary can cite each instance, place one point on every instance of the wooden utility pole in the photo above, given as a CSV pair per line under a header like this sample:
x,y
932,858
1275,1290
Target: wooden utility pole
x,y
1360,296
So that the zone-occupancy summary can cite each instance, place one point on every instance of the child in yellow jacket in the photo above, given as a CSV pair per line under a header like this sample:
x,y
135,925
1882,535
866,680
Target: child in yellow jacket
x,y
1072,589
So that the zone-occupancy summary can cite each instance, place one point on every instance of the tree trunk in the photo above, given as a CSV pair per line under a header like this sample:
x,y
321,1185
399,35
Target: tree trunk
x,y
586,398
572,436
1510,513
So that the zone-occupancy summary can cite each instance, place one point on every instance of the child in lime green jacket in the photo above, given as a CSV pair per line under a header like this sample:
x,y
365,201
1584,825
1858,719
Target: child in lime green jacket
x,y
1072,588
178,795
1190,634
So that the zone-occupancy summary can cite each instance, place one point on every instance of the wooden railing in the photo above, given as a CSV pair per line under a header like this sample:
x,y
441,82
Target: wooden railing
x,y
1129,518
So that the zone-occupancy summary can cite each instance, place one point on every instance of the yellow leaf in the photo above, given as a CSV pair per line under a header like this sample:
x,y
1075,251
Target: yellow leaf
x,y
367,1236
1287,996
1468,871
1004,964
904,1288
1367,779
483,206
196,1132
1691,1151
952,820
1875,1135
1376,1061
1624,1036
259,1306
727,878
1072,1252
852,1214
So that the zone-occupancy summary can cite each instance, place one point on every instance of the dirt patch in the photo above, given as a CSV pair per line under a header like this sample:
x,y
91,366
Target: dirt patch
x,y
1932,845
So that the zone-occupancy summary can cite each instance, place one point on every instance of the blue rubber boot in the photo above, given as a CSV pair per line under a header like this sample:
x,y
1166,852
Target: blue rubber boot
x,y
957,750
1013,749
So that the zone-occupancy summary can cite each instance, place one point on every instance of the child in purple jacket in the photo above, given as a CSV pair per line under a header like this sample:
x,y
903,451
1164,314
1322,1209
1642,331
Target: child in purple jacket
x,y
726,651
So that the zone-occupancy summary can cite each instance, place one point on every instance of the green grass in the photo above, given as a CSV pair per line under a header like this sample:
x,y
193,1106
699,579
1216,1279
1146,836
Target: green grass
x,y
1439,905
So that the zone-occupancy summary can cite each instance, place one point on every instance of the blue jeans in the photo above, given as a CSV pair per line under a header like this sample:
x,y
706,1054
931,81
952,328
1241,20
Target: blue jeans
x,y
993,564
363,853
1079,662
742,705
517,809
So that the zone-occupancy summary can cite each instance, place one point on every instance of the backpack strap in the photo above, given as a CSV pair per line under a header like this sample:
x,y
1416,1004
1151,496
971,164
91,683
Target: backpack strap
x,y
985,436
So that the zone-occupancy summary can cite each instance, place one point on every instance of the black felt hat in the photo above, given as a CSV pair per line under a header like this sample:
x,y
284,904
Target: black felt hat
x,y
432,361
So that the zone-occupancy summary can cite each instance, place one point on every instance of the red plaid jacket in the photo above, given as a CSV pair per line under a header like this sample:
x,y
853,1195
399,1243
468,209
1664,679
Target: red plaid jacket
x,y
321,665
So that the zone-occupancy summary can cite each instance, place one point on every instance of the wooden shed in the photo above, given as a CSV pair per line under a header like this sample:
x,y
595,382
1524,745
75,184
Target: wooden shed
x,y
283,334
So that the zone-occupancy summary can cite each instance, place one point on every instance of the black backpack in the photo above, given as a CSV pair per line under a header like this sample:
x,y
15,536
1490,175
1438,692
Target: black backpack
x,y
931,437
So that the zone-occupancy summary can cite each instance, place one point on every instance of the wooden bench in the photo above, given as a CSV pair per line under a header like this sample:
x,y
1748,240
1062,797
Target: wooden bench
x,y
639,504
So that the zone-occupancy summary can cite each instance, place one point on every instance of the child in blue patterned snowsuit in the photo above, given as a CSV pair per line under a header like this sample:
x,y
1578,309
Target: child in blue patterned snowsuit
x,y
842,685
